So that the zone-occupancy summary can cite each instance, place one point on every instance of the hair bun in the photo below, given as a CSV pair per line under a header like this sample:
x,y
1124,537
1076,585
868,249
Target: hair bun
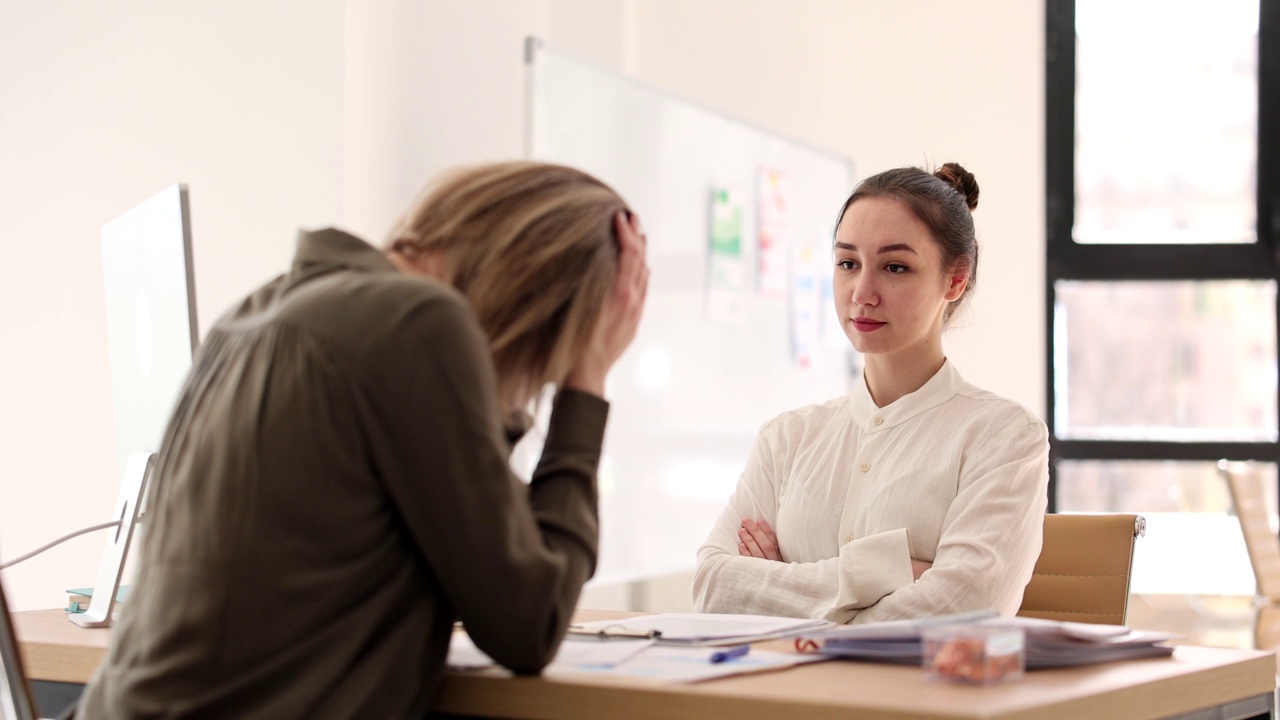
x,y
961,180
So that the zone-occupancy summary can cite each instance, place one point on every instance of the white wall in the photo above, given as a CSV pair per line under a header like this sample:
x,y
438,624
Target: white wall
x,y
429,85
891,83
887,83
102,105
280,113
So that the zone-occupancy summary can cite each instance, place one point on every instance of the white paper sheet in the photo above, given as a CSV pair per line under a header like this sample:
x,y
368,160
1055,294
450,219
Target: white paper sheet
x,y
673,664
572,655
705,628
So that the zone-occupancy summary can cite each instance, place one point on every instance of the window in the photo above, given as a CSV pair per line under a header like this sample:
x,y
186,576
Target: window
x,y
1163,213
1166,113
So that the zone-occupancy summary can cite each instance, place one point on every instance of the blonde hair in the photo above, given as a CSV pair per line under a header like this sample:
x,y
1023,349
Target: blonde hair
x,y
533,249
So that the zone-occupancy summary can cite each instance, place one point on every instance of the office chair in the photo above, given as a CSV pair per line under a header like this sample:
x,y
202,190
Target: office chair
x,y
16,702
1084,568
1245,483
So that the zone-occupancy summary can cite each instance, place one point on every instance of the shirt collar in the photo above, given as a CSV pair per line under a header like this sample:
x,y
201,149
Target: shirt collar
x,y
331,246
941,387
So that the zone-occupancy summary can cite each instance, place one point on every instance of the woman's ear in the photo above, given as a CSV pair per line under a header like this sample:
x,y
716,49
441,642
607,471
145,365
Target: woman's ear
x,y
957,281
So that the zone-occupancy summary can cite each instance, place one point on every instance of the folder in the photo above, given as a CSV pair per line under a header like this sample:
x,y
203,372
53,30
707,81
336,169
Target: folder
x,y
1049,643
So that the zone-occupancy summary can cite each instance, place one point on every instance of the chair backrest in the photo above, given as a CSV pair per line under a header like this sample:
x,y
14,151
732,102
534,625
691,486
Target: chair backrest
x,y
15,695
1248,494
1083,571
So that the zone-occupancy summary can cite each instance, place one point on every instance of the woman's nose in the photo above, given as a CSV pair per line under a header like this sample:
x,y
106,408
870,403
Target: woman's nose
x,y
864,291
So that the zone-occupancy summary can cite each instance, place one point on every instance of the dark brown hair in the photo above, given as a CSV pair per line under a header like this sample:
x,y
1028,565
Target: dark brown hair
x,y
943,201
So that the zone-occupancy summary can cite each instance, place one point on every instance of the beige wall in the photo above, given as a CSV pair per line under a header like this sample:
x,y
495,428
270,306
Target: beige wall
x,y
891,83
280,114
102,105
887,83
429,85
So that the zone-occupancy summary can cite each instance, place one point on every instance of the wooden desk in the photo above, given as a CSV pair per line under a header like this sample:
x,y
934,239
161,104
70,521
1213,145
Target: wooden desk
x,y
1194,679
54,649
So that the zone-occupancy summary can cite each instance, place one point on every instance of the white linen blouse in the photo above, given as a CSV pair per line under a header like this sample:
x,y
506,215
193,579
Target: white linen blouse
x,y
949,474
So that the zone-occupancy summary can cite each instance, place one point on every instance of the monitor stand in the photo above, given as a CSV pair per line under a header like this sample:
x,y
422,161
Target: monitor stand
x,y
136,471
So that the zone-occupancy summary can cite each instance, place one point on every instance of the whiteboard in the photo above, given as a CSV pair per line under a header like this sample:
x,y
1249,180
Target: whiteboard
x,y
690,394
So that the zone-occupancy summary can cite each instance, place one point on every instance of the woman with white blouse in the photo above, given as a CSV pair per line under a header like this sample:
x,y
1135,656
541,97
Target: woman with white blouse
x,y
917,494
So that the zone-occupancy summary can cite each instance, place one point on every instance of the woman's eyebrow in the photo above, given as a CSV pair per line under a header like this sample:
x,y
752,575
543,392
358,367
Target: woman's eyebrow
x,y
886,249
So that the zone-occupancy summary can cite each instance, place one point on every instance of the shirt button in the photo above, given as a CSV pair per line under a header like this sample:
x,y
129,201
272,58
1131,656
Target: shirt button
x,y
848,538
864,467
877,420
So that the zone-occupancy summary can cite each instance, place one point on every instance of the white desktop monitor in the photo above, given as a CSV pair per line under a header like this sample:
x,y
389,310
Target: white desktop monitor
x,y
151,335
151,319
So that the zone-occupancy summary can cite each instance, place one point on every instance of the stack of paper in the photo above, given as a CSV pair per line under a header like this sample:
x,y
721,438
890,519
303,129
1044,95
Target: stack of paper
x,y
700,628
636,659
1049,644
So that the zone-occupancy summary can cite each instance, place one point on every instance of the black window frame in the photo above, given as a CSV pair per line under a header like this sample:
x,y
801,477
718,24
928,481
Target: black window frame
x,y
1067,260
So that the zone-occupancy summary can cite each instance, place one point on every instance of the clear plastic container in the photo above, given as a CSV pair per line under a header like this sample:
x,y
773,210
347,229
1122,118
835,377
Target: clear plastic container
x,y
974,654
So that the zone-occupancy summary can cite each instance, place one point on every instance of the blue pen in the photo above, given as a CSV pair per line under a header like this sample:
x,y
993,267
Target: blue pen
x,y
737,652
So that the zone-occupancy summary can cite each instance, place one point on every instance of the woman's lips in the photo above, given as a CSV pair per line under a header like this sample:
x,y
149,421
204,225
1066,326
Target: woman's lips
x,y
867,324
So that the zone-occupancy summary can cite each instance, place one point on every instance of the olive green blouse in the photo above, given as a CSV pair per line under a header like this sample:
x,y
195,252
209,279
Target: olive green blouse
x,y
333,491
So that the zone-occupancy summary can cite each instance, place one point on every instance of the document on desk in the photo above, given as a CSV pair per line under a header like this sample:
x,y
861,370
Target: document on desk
x,y
572,656
701,628
673,664
464,655
635,659
1048,643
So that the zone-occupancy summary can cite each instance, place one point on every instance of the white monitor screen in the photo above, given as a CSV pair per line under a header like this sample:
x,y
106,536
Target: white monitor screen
x,y
151,320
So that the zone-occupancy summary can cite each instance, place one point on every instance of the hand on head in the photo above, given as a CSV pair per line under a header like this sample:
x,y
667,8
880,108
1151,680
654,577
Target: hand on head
x,y
620,316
